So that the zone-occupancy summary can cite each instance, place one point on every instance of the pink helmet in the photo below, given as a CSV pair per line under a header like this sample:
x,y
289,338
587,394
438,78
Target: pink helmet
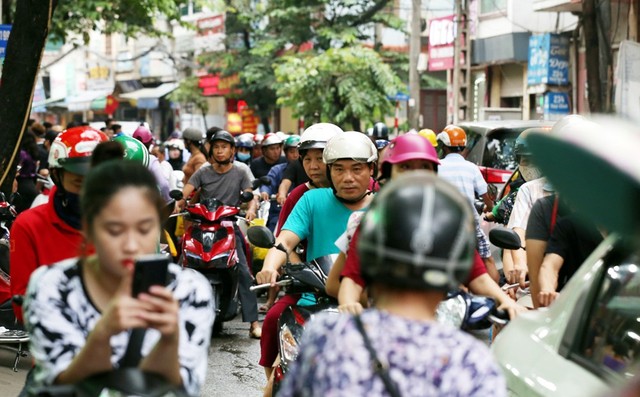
x,y
143,134
409,147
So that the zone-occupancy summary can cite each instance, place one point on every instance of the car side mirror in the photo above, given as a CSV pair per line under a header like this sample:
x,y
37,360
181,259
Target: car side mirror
x,y
505,238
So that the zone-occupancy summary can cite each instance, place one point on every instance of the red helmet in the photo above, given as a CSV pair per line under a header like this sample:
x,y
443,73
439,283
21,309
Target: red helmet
x,y
143,134
72,149
408,147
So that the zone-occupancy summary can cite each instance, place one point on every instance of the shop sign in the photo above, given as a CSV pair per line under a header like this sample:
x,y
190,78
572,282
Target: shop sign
x,y
548,59
442,36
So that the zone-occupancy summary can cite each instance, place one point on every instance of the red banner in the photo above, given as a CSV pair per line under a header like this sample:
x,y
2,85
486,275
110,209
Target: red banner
x,y
214,85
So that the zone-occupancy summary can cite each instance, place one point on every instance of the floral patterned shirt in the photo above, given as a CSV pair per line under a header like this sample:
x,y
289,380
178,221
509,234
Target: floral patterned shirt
x,y
425,359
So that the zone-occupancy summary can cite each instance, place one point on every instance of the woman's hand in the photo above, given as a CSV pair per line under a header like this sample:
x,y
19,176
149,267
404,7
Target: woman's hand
x,y
161,311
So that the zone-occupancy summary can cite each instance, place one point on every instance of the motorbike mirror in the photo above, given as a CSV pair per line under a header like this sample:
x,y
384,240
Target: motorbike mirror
x,y
505,238
246,197
261,236
263,180
175,194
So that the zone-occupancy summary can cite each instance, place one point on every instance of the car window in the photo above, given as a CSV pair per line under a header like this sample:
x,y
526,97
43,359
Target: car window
x,y
611,341
499,151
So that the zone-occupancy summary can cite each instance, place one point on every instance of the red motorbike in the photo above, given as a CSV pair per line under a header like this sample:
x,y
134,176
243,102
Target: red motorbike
x,y
209,247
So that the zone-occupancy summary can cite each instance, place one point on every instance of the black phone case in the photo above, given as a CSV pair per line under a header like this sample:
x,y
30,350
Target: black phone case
x,y
150,270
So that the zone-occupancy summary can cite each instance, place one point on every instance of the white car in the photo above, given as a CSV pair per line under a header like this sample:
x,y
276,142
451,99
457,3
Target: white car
x,y
586,342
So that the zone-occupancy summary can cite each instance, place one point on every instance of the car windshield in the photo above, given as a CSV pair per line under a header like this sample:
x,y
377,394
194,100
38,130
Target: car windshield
x,y
499,151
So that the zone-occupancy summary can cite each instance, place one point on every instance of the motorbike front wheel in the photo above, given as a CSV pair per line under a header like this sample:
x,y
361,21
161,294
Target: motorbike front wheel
x,y
217,324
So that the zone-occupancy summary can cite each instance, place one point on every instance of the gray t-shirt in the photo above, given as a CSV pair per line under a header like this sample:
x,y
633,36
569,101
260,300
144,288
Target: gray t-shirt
x,y
225,187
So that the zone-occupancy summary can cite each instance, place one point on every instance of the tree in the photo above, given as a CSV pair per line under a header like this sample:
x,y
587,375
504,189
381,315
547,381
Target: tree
x,y
340,85
33,22
258,37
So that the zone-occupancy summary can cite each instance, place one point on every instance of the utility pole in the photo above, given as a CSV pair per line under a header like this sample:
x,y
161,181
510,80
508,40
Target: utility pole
x,y
461,63
414,54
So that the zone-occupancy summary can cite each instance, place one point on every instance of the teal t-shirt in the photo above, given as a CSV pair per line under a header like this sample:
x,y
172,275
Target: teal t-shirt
x,y
320,218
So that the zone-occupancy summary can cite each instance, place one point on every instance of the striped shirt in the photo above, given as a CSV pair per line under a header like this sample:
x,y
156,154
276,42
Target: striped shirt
x,y
464,175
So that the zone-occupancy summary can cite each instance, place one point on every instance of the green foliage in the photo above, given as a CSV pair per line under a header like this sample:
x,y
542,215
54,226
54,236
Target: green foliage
x,y
341,85
128,17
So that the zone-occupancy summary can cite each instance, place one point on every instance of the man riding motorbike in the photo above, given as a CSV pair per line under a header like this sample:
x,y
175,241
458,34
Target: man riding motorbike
x,y
320,217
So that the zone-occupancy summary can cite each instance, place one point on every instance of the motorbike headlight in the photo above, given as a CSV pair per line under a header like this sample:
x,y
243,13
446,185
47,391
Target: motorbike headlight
x,y
452,311
288,344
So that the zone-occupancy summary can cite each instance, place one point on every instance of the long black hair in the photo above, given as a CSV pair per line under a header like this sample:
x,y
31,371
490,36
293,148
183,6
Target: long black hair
x,y
108,178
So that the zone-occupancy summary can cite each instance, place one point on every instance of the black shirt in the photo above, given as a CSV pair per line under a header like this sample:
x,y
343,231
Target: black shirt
x,y
295,173
574,240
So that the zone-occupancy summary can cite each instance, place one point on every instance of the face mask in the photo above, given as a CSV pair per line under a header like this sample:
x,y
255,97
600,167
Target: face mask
x,y
529,172
243,156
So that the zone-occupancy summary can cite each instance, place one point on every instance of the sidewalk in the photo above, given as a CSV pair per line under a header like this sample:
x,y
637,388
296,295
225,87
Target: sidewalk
x,y
11,382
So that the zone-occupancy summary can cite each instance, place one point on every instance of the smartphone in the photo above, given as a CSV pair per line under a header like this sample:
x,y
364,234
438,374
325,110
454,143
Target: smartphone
x,y
150,270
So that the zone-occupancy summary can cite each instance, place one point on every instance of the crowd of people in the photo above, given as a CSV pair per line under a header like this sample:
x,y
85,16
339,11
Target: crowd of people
x,y
398,212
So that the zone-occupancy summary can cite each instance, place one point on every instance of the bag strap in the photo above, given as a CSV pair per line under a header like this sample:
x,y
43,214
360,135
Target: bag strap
x,y
378,367
554,215
133,354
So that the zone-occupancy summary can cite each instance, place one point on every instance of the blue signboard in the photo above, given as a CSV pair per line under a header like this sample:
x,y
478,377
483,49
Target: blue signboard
x,y
4,38
556,103
548,59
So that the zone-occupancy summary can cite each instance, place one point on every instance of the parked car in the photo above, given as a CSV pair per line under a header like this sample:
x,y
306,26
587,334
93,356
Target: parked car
x,y
588,340
491,145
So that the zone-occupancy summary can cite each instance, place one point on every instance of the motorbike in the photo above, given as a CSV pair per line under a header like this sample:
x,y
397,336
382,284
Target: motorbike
x,y
297,278
506,238
209,247
126,381
470,312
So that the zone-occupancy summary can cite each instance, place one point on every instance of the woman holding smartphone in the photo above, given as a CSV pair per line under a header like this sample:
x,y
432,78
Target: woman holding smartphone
x,y
80,312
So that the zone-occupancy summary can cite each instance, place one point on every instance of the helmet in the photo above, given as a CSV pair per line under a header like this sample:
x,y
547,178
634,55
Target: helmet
x,y
381,144
223,135
174,143
283,135
134,149
192,134
292,141
245,141
429,135
521,147
72,149
143,134
257,139
271,139
351,145
317,135
418,234
380,131
410,147
453,136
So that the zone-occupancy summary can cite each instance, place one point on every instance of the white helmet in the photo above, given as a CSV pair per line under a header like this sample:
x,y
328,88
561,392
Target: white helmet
x,y
317,135
351,145
271,139
282,135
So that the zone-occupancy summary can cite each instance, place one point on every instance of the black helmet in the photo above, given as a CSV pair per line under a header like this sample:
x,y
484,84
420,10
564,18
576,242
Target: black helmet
x,y
418,234
380,131
223,135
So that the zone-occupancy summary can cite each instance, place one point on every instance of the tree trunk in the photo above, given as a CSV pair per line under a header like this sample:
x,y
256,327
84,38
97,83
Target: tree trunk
x,y
23,56
589,25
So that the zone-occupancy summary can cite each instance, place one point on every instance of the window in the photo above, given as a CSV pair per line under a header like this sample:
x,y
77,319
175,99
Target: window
x,y
491,6
611,341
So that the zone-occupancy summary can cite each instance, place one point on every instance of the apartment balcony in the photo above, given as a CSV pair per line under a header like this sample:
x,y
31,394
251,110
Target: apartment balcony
x,y
558,5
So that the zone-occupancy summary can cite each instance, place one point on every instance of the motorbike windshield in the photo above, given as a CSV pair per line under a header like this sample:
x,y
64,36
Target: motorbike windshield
x,y
212,204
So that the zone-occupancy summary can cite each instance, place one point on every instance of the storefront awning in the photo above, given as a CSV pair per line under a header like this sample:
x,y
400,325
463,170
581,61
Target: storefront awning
x,y
42,106
82,101
149,98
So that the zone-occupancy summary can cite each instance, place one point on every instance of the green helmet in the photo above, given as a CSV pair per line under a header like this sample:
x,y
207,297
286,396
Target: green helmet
x,y
292,141
134,149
